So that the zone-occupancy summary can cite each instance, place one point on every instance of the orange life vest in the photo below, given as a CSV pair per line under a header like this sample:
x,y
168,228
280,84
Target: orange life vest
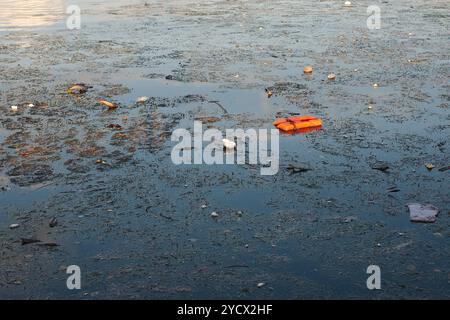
x,y
295,123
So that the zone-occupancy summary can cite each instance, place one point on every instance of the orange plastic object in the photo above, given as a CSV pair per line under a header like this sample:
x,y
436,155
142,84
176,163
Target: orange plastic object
x,y
301,131
296,123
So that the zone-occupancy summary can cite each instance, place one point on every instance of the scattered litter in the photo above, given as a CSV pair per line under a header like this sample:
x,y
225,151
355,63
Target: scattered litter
x,y
261,284
308,70
207,119
297,169
114,126
269,93
14,226
331,76
53,222
48,244
219,105
110,105
393,189
429,166
142,100
214,214
28,241
350,219
228,144
30,105
370,107
381,167
78,88
14,108
204,206
294,123
348,3
422,212
375,85
100,161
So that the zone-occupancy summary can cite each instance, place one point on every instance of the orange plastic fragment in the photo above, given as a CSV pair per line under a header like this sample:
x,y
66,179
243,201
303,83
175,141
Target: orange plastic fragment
x,y
301,131
295,123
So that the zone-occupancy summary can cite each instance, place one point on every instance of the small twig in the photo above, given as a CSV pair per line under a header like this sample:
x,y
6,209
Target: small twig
x,y
221,107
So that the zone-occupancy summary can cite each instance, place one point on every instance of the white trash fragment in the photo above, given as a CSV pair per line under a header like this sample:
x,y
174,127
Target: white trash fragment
x,y
228,144
204,206
14,226
142,99
14,108
348,3
30,105
261,284
214,214
422,212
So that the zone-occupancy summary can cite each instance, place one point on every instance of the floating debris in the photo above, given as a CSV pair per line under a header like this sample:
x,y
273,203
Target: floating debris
x,y
48,244
422,212
308,70
442,169
14,108
78,88
204,206
268,92
28,241
375,85
110,105
208,119
294,123
30,105
348,3
53,222
429,166
214,214
261,284
297,169
14,226
228,144
370,107
219,105
381,167
393,189
142,99
114,126
331,76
